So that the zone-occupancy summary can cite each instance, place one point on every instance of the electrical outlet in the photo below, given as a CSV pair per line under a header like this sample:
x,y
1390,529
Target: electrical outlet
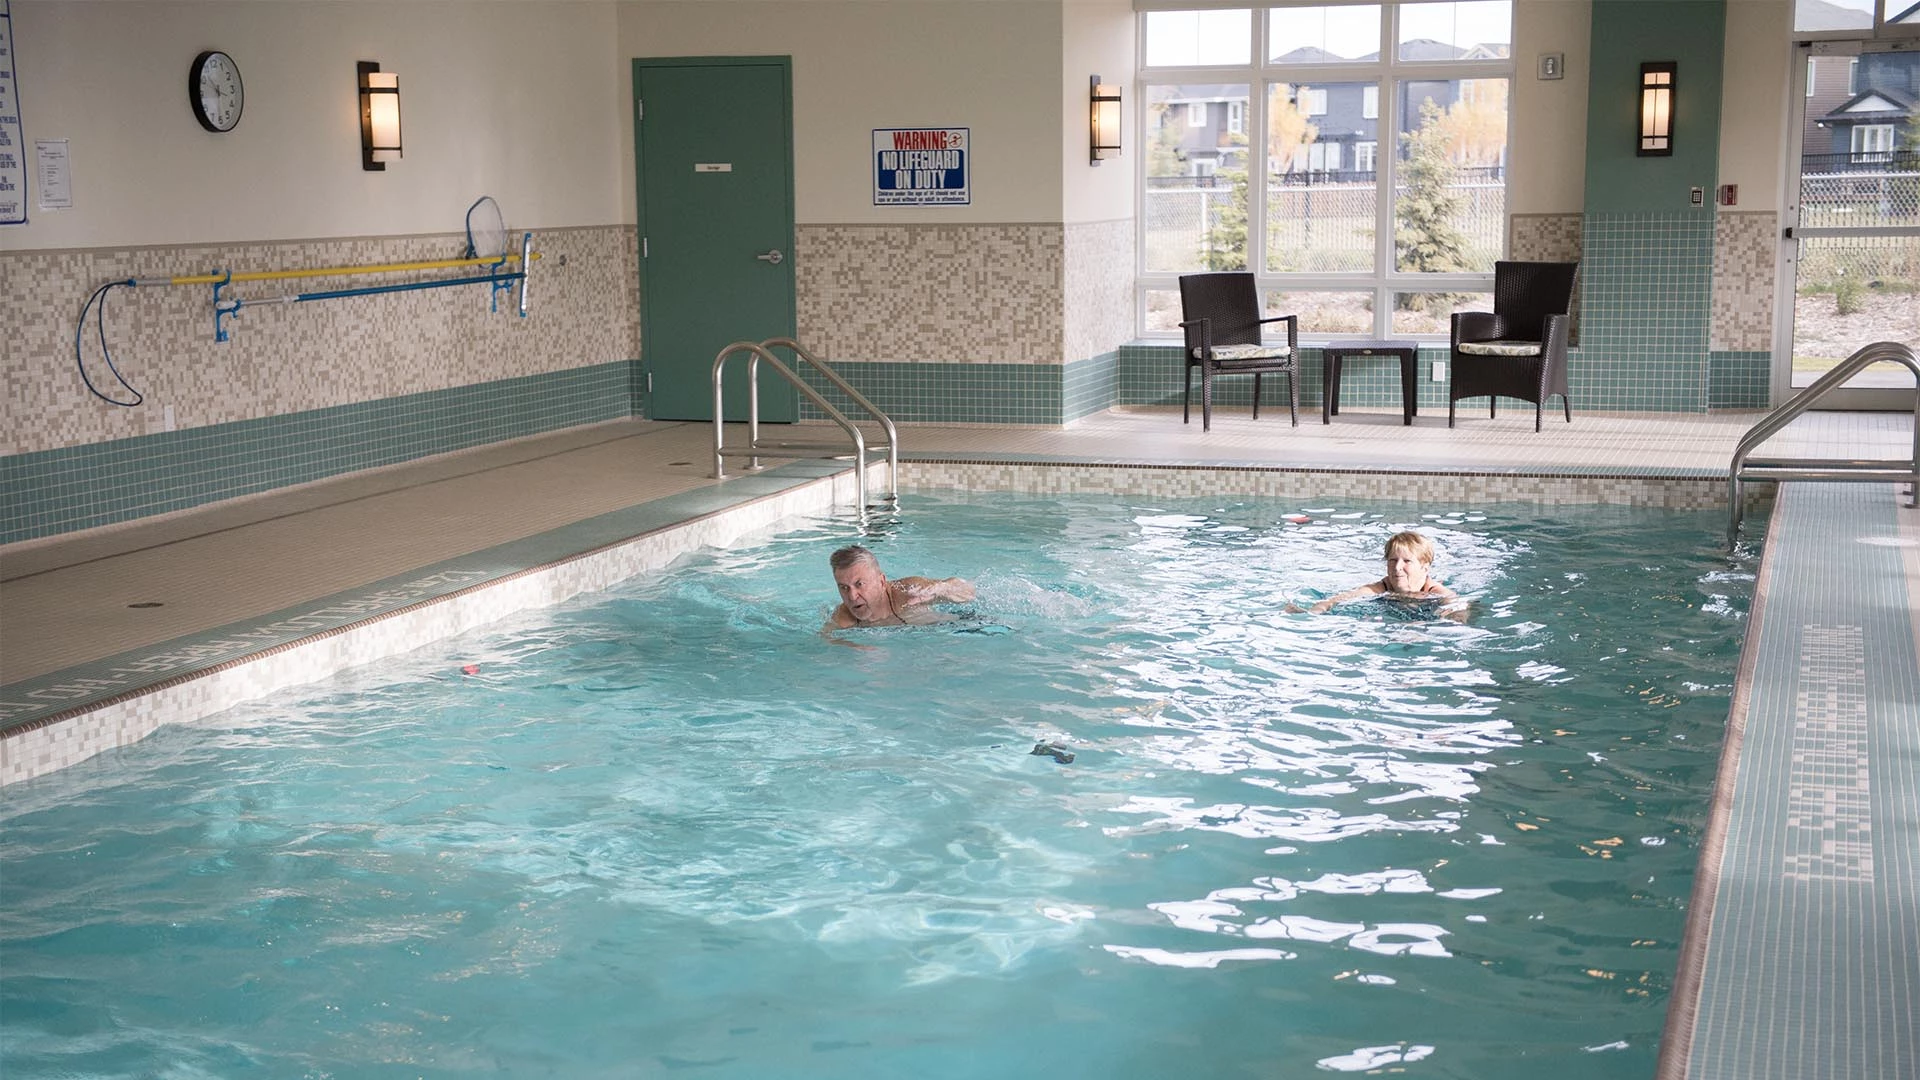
x,y
1697,196
166,414
1439,371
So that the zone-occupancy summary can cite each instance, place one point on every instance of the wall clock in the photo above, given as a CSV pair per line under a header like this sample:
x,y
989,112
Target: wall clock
x,y
213,86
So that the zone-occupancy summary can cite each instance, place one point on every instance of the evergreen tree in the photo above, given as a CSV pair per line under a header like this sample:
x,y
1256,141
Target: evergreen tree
x,y
1227,233
1427,239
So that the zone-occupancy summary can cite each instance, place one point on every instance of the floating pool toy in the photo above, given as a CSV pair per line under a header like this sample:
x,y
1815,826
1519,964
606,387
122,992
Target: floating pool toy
x,y
1298,519
1053,750
470,669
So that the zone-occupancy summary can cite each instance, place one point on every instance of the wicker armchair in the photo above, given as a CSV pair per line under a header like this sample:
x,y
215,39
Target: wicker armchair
x,y
1221,319
1519,350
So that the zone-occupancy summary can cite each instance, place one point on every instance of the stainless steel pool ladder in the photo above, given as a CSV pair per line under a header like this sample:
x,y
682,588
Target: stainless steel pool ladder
x,y
1882,471
859,450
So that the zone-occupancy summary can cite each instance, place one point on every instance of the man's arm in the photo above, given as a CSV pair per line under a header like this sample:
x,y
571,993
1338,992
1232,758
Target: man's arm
x,y
916,591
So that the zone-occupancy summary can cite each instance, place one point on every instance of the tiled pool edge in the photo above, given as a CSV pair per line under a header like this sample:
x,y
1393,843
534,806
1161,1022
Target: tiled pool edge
x,y
1683,1002
1802,947
1030,474
65,736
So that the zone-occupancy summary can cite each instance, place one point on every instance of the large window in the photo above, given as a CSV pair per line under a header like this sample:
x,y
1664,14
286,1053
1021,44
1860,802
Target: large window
x,y
1360,171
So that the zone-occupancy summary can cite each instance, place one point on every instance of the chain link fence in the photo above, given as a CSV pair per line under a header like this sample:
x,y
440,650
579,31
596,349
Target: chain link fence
x,y
1867,195
1317,226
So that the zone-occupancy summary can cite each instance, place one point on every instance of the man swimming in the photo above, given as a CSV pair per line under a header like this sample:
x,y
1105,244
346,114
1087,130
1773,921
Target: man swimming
x,y
867,598
1409,558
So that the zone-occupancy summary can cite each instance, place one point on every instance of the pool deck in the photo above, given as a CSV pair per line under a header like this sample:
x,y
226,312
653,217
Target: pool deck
x,y
1803,950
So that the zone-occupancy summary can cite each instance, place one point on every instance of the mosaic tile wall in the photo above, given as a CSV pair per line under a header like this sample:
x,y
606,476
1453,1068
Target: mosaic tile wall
x,y
1544,237
1739,380
1745,250
1099,287
991,394
285,359
952,294
1647,293
302,391
1089,386
992,324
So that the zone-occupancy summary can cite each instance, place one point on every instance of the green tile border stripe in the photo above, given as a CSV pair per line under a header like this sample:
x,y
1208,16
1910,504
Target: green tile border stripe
x,y
56,696
946,393
48,492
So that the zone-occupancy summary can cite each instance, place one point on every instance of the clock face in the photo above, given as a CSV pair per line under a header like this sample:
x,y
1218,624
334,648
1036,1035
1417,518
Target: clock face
x,y
213,86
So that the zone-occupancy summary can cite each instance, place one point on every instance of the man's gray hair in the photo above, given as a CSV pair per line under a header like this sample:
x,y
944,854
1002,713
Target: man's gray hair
x,y
851,555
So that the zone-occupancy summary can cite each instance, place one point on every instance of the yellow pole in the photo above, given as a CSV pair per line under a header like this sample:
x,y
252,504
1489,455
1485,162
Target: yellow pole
x,y
335,271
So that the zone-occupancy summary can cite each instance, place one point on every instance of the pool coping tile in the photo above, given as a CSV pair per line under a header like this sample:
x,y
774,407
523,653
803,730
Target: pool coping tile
x,y
1801,955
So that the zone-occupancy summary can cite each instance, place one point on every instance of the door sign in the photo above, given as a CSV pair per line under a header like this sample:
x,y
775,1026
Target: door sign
x,y
920,167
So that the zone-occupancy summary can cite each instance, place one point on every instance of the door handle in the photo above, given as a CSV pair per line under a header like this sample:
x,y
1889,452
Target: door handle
x,y
773,257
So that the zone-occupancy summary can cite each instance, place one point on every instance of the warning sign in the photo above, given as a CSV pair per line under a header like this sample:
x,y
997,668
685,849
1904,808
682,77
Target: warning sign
x,y
920,167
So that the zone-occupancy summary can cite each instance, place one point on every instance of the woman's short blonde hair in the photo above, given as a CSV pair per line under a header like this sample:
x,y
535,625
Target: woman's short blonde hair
x,y
1413,544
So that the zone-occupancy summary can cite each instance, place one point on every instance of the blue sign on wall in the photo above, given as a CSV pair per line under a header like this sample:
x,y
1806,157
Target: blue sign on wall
x,y
920,167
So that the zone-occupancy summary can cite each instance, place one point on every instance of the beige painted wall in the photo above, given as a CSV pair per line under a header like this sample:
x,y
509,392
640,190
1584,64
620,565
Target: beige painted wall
x,y
1549,115
992,66
1098,40
518,101
1754,101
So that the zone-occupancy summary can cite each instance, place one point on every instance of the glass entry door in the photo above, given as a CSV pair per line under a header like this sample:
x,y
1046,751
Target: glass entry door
x,y
1852,245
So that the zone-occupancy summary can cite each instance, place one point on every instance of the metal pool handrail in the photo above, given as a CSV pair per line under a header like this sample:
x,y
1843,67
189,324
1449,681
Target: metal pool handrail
x,y
756,352
1862,470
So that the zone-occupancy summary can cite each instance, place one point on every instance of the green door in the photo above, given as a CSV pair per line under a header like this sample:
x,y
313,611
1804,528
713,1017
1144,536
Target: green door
x,y
714,164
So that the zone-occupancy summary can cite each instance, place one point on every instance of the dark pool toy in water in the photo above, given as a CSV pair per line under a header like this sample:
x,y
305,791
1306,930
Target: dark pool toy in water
x,y
1053,750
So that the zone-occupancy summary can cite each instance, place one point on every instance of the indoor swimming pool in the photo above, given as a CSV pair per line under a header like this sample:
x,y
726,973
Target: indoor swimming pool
x,y
674,829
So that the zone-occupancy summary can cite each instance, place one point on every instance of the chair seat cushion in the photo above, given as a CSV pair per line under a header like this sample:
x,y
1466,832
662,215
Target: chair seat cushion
x,y
1227,353
1499,348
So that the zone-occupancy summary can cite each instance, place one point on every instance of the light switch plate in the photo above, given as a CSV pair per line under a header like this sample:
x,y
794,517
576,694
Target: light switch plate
x,y
1553,65
1439,371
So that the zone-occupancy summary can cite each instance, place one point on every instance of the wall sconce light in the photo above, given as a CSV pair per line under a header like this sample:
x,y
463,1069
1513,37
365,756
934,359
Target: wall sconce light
x,y
1656,108
379,116
1104,140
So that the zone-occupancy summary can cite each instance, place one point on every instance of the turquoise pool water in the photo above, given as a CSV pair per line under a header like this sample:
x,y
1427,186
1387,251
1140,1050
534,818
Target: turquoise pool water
x,y
672,830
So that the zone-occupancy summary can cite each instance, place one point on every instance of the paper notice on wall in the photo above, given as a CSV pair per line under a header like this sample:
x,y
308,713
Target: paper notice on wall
x,y
50,168
921,167
13,151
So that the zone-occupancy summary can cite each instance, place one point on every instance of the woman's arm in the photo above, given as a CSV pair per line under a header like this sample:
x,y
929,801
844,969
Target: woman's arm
x,y
1372,588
